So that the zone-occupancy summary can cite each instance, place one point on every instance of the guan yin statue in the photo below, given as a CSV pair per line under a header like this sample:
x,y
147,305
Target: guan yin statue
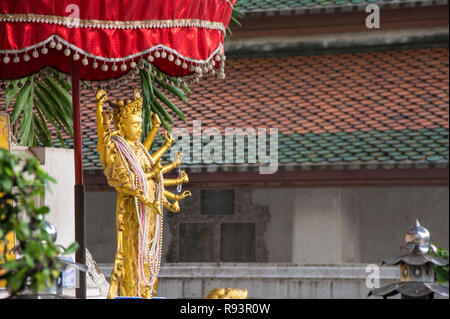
x,y
138,179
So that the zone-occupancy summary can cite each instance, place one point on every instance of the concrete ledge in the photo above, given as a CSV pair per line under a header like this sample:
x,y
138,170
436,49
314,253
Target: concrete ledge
x,y
266,270
279,281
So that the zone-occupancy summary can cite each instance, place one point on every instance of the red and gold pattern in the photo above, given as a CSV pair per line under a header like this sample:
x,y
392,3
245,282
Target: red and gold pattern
x,y
110,37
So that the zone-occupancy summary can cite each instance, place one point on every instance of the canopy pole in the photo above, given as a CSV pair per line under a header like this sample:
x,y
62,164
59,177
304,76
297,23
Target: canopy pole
x,y
80,219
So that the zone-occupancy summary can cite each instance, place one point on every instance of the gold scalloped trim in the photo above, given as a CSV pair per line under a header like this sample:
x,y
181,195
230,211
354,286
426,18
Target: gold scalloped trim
x,y
144,24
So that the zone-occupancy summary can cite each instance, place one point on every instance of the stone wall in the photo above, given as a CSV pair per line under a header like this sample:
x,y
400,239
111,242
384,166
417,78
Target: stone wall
x,y
337,225
364,224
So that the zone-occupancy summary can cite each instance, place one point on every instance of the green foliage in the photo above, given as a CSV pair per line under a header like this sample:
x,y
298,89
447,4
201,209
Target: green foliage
x,y
39,103
21,180
154,86
440,272
236,15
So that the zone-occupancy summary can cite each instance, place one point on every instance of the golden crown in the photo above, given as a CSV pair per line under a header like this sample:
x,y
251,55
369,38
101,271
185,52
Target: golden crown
x,y
122,109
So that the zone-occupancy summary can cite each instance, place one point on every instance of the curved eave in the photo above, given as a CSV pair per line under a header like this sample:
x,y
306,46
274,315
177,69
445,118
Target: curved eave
x,y
338,8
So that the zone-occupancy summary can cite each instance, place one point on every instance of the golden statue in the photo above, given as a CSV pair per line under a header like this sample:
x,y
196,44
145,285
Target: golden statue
x,y
227,293
137,176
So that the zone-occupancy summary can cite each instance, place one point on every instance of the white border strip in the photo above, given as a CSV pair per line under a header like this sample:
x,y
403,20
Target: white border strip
x,y
111,60
121,25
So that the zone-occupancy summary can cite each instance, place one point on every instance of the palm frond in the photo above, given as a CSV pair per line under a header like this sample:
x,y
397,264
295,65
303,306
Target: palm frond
x,y
155,85
236,15
38,102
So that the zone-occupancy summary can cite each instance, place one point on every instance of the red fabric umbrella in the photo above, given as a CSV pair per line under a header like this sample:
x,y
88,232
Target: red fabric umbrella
x,y
105,39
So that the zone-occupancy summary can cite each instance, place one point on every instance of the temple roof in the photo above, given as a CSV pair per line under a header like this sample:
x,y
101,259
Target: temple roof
x,y
387,108
329,6
378,109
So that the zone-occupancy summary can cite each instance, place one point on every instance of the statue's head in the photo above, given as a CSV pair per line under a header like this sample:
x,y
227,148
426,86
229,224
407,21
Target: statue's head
x,y
128,117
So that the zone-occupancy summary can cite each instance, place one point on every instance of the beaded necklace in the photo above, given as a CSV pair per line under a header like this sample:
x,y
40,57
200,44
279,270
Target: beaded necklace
x,y
150,250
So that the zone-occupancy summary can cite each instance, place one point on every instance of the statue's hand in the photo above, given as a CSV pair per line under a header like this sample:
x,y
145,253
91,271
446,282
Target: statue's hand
x,y
183,178
178,159
175,207
155,119
101,95
186,194
168,137
158,208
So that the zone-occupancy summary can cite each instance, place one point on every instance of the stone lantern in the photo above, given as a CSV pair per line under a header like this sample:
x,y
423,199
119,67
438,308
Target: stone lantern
x,y
416,268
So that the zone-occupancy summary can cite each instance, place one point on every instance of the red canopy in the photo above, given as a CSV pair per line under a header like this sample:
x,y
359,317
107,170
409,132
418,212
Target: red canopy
x,y
109,37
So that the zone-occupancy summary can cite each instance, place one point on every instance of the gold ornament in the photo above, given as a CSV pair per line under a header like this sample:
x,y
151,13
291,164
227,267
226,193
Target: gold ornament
x,y
227,293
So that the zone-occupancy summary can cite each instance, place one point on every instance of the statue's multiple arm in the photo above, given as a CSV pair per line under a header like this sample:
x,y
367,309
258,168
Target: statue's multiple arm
x,y
176,197
104,134
173,207
183,178
140,195
151,135
159,153
101,98
177,162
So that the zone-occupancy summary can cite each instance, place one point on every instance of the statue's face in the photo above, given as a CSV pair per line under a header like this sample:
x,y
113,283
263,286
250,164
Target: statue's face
x,y
132,127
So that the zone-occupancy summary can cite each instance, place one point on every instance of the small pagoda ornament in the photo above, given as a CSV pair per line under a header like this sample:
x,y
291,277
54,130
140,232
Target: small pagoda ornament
x,y
416,268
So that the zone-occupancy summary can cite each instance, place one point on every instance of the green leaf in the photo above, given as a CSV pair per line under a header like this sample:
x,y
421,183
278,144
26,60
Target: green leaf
x,y
162,111
164,123
441,273
34,248
54,107
28,261
7,185
26,132
174,90
42,210
25,99
233,19
71,249
61,94
145,82
17,280
55,273
185,87
51,119
22,230
64,83
42,132
11,265
169,103
12,93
